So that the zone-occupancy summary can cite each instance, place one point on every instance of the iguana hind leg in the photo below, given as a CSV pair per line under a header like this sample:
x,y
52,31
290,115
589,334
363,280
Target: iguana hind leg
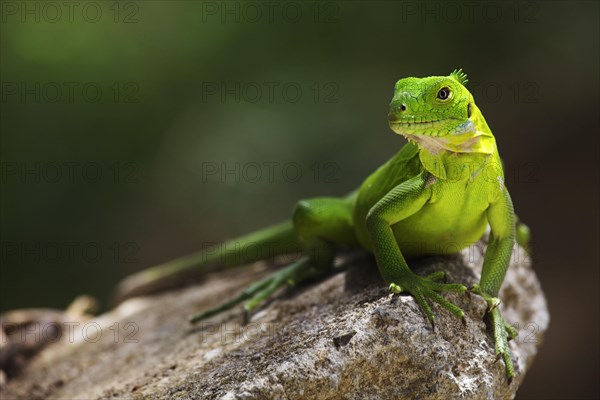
x,y
523,235
260,245
320,225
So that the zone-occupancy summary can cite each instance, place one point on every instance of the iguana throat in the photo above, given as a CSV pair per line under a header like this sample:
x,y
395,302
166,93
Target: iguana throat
x,y
465,138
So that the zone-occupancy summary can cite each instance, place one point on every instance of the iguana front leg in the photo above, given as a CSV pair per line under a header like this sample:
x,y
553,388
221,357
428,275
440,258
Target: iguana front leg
x,y
502,219
400,203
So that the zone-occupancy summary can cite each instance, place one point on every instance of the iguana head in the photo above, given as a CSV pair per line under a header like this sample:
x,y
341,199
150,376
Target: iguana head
x,y
439,114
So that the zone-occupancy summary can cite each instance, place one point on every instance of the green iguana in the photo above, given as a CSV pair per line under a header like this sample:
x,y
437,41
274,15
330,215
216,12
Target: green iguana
x,y
436,195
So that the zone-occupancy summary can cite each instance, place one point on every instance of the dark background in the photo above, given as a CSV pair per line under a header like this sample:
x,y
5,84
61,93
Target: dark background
x,y
114,134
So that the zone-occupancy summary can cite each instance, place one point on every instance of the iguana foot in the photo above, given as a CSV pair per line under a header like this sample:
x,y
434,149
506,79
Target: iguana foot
x,y
503,332
422,288
259,291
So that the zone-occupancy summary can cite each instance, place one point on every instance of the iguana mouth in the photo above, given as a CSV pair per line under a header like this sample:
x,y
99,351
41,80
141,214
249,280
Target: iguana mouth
x,y
413,122
431,128
409,124
443,127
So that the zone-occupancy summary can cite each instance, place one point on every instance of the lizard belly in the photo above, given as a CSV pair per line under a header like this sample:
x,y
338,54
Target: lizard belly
x,y
444,226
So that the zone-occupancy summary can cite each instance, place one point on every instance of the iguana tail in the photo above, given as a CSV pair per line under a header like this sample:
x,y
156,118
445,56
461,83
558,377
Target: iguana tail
x,y
264,244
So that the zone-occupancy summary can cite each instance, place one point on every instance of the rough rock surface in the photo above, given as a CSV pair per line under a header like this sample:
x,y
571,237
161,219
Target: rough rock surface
x,y
342,337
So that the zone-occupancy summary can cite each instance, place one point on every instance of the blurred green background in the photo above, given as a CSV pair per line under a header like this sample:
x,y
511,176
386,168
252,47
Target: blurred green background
x,y
136,132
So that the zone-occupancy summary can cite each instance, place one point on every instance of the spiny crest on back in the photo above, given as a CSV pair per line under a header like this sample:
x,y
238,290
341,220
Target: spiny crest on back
x,y
460,76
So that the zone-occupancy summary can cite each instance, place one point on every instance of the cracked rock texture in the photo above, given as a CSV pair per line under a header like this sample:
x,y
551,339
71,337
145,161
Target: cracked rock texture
x,y
342,337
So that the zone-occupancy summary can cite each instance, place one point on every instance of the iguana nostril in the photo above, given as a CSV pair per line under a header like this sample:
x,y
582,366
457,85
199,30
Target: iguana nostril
x,y
402,107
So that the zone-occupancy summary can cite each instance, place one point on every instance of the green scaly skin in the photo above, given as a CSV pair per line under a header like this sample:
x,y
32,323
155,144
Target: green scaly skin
x,y
437,195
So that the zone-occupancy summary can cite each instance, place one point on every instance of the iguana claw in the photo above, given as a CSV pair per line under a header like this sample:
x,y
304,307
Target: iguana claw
x,y
422,288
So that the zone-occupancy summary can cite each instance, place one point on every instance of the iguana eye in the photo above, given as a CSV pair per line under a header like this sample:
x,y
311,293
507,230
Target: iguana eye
x,y
443,94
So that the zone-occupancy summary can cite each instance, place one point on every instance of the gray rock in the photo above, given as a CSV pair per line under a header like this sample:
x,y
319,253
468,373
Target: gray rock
x,y
342,337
